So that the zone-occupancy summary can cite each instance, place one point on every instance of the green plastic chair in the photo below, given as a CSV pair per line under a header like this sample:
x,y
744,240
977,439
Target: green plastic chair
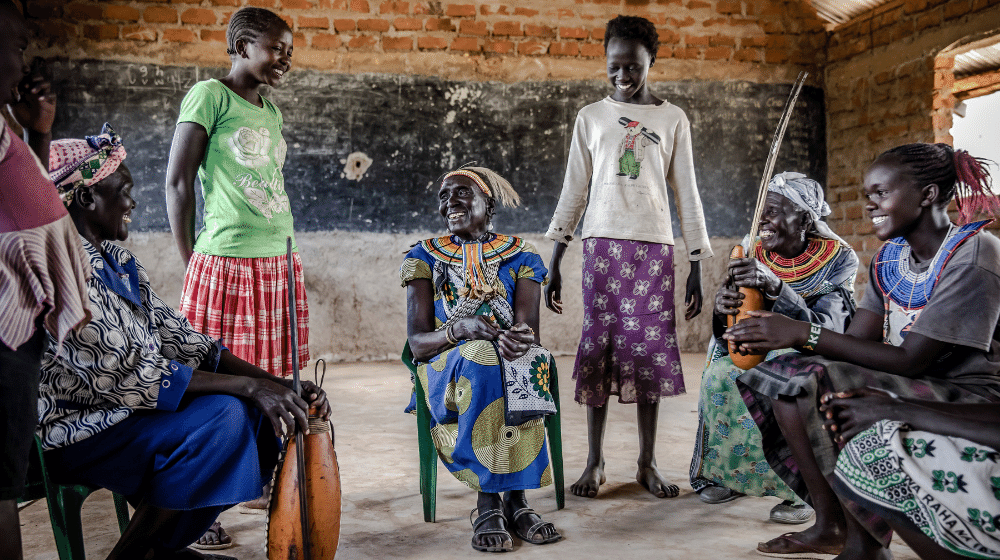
x,y
65,502
428,455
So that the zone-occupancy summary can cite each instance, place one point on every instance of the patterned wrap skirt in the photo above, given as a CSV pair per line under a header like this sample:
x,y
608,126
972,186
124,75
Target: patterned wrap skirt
x,y
946,487
245,303
629,342
727,447
810,377
464,387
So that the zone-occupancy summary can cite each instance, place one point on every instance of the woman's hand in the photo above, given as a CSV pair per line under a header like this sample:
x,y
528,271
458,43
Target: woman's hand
x,y
314,395
751,273
553,291
764,331
36,110
280,404
851,412
693,294
516,341
479,327
728,302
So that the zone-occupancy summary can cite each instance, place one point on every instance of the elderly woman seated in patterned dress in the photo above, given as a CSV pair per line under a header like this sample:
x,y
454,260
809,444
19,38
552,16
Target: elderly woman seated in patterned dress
x,y
137,401
805,272
472,340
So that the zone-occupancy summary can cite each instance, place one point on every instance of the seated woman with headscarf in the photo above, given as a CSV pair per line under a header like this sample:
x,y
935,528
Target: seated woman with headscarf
x,y
472,334
137,401
805,272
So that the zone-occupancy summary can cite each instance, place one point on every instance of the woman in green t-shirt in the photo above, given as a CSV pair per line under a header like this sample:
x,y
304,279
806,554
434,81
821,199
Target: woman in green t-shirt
x,y
229,136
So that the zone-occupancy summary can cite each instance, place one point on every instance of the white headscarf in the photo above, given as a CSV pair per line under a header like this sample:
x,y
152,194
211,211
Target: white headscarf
x,y
807,194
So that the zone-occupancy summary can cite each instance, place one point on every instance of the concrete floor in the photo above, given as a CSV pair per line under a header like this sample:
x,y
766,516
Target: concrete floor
x,y
382,516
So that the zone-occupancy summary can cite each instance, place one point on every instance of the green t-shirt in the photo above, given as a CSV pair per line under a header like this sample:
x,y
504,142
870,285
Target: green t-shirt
x,y
247,213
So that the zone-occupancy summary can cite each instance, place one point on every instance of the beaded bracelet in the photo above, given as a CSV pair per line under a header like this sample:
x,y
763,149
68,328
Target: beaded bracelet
x,y
451,338
813,339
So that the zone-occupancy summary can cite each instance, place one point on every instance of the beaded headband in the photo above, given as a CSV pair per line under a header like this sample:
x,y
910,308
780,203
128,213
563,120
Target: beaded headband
x,y
490,182
471,175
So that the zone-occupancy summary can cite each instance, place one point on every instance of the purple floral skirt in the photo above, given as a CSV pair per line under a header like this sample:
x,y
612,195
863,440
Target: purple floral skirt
x,y
629,343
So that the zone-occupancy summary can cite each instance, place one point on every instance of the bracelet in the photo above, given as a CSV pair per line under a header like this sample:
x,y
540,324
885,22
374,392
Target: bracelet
x,y
451,338
813,339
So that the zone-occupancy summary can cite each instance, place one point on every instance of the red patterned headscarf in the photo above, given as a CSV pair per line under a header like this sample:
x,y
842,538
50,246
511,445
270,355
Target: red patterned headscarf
x,y
75,163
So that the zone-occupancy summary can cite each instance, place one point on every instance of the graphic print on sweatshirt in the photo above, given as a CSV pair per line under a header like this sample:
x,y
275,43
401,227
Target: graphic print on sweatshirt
x,y
631,150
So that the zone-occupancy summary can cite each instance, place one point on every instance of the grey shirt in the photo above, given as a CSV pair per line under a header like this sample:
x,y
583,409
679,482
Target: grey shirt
x,y
963,310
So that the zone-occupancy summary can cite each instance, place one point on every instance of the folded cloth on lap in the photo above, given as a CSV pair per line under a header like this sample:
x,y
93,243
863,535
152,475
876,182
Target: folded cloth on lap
x,y
526,386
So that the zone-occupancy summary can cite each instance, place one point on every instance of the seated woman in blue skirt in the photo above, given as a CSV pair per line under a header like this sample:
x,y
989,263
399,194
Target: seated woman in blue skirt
x,y
137,401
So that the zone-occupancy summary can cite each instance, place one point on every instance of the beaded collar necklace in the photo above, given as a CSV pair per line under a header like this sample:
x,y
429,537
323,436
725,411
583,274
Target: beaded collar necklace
x,y
909,289
819,252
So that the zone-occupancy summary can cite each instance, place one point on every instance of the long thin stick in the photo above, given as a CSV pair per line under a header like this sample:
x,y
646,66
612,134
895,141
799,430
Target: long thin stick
x,y
772,156
300,458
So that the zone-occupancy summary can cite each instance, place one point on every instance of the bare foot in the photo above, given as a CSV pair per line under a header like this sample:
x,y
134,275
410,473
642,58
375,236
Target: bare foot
x,y
215,538
651,479
259,505
812,539
589,482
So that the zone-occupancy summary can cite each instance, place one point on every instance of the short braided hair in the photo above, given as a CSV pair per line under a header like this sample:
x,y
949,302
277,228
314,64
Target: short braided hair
x,y
250,24
953,171
633,28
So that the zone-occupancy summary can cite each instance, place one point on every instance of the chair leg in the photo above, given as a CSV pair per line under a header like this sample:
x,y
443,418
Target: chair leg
x,y
553,425
67,528
428,460
121,510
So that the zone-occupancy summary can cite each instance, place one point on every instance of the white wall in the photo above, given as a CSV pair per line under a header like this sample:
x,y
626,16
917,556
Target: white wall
x,y
979,131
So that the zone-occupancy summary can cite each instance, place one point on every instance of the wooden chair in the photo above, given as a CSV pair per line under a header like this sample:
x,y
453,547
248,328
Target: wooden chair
x,y
428,455
65,502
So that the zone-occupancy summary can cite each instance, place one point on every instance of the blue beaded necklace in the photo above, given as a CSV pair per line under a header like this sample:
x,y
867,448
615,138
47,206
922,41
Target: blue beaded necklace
x,y
912,290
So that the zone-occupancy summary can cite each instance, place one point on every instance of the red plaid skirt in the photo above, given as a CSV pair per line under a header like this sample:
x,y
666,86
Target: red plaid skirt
x,y
245,303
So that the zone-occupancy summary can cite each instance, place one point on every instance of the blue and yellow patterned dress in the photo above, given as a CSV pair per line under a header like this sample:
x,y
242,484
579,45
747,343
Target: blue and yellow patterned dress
x,y
464,384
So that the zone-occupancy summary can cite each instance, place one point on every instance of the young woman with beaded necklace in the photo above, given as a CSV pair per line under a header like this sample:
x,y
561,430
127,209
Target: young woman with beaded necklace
x,y
928,327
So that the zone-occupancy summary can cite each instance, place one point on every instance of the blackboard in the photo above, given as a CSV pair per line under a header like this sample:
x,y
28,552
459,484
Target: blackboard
x,y
414,128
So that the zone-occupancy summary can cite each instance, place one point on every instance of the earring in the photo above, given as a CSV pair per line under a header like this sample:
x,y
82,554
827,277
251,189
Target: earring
x,y
489,226
803,235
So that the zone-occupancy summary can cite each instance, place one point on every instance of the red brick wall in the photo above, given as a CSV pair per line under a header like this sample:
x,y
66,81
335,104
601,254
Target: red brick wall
x,y
531,39
888,83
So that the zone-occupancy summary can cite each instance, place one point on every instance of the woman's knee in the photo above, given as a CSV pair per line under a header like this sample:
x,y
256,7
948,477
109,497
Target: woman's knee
x,y
227,419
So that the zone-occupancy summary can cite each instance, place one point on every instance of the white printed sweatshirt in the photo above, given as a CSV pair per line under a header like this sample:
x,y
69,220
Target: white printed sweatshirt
x,y
623,157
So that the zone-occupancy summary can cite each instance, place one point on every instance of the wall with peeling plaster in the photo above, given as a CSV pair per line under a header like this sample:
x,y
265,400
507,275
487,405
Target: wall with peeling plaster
x,y
357,309
491,75
364,152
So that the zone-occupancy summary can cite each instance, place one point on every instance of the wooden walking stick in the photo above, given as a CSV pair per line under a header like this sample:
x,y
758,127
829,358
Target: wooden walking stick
x,y
753,299
304,511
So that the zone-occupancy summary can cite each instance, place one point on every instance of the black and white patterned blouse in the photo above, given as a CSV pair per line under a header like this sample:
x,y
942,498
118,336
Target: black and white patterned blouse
x,y
137,353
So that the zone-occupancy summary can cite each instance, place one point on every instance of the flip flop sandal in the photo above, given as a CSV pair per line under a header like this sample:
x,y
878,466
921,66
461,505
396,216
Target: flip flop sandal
x,y
508,543
219,532
805,552
528,537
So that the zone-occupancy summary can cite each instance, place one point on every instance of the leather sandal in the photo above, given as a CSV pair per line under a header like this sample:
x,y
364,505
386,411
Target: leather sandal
x,y
529,536
507,544
794,548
